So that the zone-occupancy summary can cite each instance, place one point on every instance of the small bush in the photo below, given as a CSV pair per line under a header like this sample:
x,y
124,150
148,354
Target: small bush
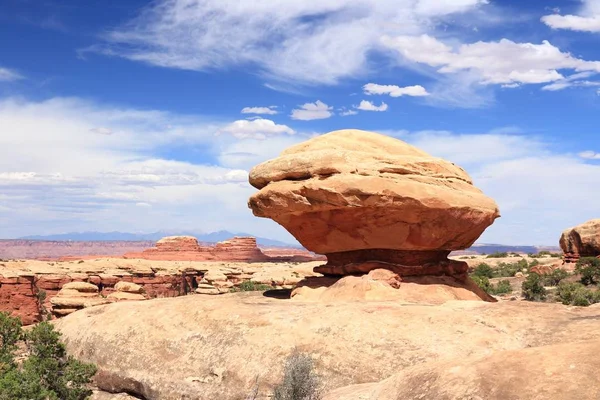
x,y
482,281
503,287
574,293
565,292
507,270
498,254
249,286
299,379
483,270
533,289
554,278
589,268
47,373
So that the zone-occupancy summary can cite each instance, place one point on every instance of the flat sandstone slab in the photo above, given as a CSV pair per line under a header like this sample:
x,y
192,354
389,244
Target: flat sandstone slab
x,y
166,348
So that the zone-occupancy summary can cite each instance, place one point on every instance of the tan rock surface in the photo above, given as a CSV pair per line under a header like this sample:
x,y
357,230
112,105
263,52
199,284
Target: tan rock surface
x,y
371,287
351,190
561,371
151,348
581,241
129,287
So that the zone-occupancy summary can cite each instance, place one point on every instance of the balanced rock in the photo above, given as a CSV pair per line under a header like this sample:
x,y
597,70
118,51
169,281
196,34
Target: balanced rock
x,y
369,201
581,241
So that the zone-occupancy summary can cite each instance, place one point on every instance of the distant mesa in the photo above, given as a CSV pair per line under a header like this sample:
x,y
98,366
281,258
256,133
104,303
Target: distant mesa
x,y
369,202
237,249
581,241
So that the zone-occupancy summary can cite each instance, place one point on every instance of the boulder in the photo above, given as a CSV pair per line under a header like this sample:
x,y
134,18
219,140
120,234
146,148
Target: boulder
x,y
581,241
82,287
369,201
128,287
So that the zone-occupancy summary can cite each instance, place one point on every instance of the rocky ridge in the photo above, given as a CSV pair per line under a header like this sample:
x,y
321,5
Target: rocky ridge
x,y
115,279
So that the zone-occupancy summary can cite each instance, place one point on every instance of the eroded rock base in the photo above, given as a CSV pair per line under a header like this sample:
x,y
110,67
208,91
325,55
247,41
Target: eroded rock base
x,y
383,285
403,263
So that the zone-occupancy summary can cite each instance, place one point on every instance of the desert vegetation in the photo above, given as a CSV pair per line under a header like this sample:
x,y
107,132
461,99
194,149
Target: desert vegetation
x,y
300,381
34,365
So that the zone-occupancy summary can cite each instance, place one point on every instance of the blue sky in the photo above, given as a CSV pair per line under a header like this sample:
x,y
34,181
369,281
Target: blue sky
x,y
142,116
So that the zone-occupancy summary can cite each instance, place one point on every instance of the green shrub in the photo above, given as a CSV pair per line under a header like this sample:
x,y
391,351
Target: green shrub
x,y
565,292
498,254
555,277
507,270
47,373
482,281
249,286
533,289
483,270
299,379
589,268
574,293
503,287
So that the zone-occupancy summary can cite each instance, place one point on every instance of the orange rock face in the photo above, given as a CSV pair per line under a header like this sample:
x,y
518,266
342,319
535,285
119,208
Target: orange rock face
x,y
581,241
369,201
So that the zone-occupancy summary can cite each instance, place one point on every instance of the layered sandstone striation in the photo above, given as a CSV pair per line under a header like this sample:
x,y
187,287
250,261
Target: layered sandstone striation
x,y
581,241
368,201
31,288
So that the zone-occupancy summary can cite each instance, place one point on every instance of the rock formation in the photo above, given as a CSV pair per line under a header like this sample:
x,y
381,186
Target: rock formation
x,y
23,282
581,241
237,249
74,296
369,201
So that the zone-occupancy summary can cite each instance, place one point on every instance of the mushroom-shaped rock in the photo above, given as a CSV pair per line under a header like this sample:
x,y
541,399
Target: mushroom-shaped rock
x,y
369,201
581,241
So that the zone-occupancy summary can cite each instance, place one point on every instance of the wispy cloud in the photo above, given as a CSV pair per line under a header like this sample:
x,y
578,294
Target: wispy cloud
x,y
8,75
289,40
271,110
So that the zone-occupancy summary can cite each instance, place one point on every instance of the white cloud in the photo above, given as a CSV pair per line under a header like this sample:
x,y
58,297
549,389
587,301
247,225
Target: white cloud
x,y
502,62
258,128
517,170
289,40
590,155
9,75
587,21
311,111
57,174
366,105
394,91
346,113
271,110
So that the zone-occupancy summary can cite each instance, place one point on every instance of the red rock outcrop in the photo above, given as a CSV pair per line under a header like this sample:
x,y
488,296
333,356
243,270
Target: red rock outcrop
x,y
581,241
368,201
237,249
30,289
